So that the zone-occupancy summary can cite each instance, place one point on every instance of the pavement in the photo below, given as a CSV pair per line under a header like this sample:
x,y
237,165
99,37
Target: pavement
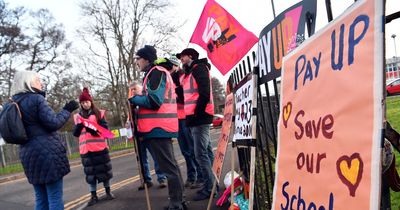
x,y
125,189
129,198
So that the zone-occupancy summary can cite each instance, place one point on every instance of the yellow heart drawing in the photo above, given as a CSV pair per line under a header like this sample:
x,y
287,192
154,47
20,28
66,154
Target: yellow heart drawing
x,y
287,110
351,173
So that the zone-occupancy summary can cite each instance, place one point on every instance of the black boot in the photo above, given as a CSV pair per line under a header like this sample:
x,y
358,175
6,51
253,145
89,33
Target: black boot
x,y
109,195
93,199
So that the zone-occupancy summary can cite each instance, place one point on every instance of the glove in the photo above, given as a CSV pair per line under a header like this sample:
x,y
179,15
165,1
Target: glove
x,y
71,106
79,126
78,130
92,132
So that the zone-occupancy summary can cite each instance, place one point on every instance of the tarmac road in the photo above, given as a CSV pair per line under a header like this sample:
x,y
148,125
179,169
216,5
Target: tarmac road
x,y
18,194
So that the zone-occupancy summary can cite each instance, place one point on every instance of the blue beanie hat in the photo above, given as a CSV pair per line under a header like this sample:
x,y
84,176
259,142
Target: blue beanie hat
x,y
148,52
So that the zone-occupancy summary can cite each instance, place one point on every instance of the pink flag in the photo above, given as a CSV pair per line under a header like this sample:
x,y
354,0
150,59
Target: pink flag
x,y
222,36
94,126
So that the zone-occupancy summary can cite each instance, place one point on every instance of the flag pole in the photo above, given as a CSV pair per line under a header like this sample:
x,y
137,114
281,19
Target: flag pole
x,y
273,8
137,152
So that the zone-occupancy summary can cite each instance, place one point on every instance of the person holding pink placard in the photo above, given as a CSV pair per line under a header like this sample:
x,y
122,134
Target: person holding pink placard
x,y
93,146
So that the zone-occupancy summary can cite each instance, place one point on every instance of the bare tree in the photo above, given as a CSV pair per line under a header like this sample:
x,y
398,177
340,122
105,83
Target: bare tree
x,y
29,40
12,43
46,41
112,32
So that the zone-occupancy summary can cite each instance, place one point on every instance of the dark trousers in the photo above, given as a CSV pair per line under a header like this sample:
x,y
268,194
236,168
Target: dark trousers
x,y
164,153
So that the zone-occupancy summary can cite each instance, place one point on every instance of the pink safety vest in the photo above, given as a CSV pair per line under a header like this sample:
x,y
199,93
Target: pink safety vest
x,y
89,143
166,116
191,95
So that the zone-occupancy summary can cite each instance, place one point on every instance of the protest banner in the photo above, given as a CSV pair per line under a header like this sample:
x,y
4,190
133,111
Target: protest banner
x,y
96,127
223,137
116,133
329,129
281,36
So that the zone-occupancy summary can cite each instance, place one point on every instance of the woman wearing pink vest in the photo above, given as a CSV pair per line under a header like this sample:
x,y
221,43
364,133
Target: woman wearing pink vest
x,y
93,147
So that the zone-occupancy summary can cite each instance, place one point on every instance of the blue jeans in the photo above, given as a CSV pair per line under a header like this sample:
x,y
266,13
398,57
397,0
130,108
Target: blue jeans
x,y
143,145
93,187
204,154
185,141
49,196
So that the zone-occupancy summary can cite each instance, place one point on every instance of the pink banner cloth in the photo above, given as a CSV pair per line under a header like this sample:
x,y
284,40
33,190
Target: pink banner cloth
x,y
94,126
222,36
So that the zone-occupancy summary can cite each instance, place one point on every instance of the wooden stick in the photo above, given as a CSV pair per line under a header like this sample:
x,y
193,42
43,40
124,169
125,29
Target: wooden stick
x,y
135,139
212,194
232,176
252,171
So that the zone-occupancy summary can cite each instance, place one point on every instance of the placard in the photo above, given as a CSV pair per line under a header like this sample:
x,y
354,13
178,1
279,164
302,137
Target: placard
x,y
245,104
223,137
330,123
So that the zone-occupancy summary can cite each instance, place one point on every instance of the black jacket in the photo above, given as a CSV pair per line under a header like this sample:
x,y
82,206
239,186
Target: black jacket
x,y
179,89
199,70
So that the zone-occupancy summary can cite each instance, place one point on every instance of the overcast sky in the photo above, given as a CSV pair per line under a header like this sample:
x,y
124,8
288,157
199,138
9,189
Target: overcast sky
x,y
252,14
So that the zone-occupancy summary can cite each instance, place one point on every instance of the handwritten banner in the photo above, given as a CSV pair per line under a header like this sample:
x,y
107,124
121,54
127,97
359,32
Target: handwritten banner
x,y
223,138
244,104
330,122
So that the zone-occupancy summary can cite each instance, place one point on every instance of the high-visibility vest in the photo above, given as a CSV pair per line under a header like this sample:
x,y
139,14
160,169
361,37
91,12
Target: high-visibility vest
x,y
181,106
181,111
166,116
191,95
89,143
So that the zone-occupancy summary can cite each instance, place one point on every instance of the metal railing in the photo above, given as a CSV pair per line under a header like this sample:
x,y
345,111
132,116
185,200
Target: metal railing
x,y
9,153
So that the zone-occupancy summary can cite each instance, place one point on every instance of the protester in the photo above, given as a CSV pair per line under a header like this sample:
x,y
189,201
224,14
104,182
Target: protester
x,y
44,156
157,120
93,147
185,140
136,89
199,110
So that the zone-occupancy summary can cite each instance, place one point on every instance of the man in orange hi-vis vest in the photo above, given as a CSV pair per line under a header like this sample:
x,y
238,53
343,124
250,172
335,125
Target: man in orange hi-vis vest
x,y
199,110
157,121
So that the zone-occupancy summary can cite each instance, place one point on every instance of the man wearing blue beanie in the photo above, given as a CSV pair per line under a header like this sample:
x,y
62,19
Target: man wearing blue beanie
x,y
148,52
157,121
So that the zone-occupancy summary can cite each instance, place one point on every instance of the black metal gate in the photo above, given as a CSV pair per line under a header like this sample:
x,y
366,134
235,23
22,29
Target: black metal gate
x,y
266,144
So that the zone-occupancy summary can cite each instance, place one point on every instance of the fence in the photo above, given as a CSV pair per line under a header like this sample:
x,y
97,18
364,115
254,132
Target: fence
x,y
266,142
9,153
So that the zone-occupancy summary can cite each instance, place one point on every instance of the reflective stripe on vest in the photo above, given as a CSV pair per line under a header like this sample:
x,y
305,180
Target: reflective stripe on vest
x,y
191,95
166,116
89,143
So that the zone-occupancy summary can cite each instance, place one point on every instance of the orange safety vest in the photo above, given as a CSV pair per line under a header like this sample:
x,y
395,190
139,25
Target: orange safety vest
x,y
166,116
89,143
191,95
181,106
